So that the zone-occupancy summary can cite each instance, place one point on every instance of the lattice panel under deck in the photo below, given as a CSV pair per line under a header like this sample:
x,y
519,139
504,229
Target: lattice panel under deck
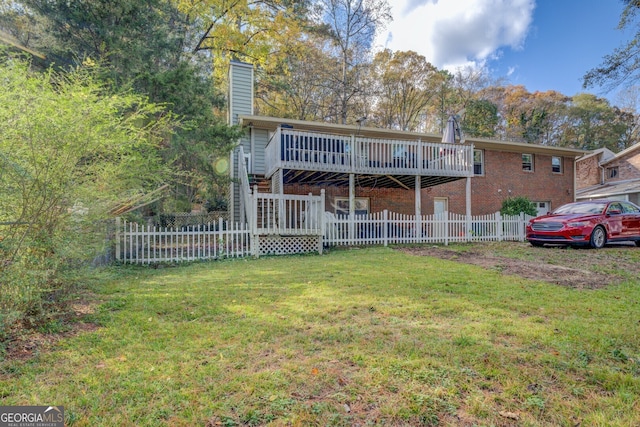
x,y
279,245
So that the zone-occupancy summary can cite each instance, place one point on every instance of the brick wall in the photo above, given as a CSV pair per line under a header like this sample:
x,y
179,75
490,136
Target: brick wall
x,y
394,199
628,167
588,173
503,177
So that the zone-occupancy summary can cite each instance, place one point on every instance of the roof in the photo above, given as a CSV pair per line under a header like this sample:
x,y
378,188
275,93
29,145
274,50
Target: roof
x,y
610,189
272,123
606,154
622,153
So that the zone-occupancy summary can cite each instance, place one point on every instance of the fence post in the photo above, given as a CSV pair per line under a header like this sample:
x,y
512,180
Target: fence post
x,y
522,227
385,228
499,226
118,254
255,244
320,214
446,227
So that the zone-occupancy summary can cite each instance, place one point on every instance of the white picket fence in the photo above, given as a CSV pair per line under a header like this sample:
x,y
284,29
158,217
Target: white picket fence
x,y
148,244
140,244
384,228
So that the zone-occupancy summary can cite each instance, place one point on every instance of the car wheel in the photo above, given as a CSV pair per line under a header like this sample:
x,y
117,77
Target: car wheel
x,y
598,237
637,242
536,244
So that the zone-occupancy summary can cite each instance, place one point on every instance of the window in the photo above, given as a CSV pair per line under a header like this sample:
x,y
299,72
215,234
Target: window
x,y
361,205
478,162
556,164
614,207
612,172
527,162
629,208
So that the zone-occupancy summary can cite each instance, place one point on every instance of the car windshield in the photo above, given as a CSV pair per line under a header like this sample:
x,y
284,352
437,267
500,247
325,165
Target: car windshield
x,y
581,208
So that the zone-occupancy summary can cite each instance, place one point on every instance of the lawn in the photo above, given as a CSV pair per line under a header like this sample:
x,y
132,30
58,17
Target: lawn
x,y
354,337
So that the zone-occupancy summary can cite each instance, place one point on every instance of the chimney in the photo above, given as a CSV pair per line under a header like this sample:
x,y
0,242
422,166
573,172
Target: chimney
x,y
240,90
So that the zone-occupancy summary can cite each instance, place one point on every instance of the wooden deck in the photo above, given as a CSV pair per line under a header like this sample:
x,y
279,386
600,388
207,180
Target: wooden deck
x,y
328,159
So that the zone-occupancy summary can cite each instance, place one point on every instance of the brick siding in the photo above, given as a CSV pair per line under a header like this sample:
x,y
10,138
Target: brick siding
x,y
503,178
588,173
628,167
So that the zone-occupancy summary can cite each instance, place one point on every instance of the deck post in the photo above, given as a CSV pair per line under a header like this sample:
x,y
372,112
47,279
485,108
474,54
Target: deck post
x,y
418,191
468,209
352,208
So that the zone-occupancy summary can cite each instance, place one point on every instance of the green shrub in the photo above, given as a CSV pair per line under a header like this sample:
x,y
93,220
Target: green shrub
x,y
69,153
515,205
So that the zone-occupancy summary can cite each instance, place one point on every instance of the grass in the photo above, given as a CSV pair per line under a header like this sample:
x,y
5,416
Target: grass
x,y
355,337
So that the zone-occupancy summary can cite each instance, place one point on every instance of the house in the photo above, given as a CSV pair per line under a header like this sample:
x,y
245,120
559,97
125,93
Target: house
x,y
544,175
366,170
603,174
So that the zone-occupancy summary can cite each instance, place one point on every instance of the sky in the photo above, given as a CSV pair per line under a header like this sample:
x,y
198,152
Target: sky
x,y
540,44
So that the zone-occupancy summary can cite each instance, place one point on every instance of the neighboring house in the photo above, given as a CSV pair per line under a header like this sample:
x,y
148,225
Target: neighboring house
x,y
367,170
603,174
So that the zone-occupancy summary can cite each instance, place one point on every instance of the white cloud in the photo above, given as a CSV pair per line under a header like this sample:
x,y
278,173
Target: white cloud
x,y
455,33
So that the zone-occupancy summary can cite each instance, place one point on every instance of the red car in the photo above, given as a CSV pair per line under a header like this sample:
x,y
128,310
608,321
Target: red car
x,y
592,223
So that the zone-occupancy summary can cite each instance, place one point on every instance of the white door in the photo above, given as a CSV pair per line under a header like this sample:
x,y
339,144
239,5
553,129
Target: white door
x,y
440,206
543,208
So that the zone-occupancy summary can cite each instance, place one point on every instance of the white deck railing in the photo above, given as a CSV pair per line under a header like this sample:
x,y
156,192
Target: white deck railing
x,y
245,187
292,149
287,214
143,245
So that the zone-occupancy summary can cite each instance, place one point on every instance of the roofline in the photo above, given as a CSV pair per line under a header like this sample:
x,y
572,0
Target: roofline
x,y
272,123
622,153
523,147
596,152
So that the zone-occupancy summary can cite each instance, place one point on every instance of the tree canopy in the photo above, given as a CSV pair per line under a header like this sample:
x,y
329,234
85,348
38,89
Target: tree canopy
x,y
314,61
622,66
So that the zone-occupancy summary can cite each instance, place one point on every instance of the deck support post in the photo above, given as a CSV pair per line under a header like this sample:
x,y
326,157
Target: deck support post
x,y
352,208
468,208
418,191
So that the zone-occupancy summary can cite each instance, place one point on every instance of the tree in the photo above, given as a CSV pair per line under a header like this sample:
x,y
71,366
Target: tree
x,y
592,123
531,117
622,67
480,118
351,26
147,46
263,32
299,87
406,83
70,151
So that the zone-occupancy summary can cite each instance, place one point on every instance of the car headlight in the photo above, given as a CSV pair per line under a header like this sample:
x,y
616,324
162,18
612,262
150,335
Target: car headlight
x,y
577,224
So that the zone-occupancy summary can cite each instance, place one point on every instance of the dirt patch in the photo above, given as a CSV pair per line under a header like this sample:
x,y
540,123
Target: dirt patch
x,y
580,269
26,346
27,343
